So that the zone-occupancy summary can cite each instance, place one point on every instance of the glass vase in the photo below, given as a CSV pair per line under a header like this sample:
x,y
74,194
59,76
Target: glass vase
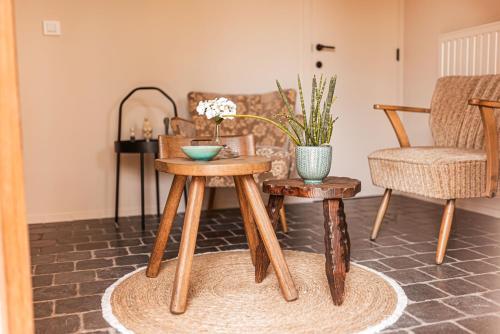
x,y
216,139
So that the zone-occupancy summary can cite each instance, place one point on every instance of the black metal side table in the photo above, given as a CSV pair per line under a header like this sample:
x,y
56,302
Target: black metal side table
x,y
140,147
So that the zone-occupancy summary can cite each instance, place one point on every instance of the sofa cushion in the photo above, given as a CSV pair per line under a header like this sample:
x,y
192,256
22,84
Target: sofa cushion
x,y
280,162
436,172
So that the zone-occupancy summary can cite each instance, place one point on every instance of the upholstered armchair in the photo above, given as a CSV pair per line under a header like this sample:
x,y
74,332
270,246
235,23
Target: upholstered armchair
x,y
463,163
269,141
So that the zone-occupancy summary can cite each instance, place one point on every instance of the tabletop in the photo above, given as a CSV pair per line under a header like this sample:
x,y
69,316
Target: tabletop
x,y
243,165
332,187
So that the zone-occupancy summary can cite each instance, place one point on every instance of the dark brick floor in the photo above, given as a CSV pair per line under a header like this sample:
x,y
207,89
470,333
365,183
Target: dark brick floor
x,y
73,262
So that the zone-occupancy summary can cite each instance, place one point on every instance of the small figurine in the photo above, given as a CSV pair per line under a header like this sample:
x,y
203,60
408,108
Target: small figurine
x,y
147,130
132,134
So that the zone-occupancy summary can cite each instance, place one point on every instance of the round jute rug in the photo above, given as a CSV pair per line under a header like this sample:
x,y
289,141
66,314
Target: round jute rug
x,y
224,298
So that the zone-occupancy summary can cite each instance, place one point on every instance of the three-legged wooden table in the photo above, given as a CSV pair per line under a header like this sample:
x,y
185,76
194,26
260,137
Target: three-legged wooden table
x,y
337,244
259,230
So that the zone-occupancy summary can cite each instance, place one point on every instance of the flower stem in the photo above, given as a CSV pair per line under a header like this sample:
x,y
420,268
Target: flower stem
x,y
276,124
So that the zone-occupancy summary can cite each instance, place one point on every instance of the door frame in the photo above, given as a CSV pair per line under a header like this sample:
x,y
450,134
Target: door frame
x,y
16,305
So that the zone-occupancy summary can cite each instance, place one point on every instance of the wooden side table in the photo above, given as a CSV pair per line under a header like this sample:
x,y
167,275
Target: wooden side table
x,y
251,205
140,147
337,244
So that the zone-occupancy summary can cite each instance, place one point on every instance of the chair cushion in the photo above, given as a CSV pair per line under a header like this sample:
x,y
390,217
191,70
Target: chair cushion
x,y
436,172
280,162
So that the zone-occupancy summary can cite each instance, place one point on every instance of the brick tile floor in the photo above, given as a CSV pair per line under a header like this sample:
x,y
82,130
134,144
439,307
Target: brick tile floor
x,y
74,262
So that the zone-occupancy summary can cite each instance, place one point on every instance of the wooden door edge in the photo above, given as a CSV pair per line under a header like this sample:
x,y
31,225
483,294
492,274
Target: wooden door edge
x,y
15,289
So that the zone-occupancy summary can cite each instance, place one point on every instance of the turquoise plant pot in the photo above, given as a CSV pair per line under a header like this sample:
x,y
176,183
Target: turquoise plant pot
x,y
313,162
203,153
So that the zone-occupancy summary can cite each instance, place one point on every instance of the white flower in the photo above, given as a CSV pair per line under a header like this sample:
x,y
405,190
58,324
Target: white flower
x,y
201,108
210,113
219,108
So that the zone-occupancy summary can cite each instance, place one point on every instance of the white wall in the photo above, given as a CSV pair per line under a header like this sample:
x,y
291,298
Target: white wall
x,y
424,20
71,85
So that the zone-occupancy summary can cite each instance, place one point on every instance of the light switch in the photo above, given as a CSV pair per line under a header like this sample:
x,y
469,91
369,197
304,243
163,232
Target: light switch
x,y
51,28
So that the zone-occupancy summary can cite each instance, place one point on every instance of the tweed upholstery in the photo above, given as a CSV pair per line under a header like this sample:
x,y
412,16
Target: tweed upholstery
x,y
268,104
456,166
453,122
437,172
280,163
182,127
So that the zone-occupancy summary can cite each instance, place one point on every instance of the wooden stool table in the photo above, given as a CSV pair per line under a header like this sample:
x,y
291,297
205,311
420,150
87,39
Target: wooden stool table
x,y
337,244
256,221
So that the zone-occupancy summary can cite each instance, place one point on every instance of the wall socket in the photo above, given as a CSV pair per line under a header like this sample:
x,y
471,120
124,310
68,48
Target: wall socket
x,y
51,28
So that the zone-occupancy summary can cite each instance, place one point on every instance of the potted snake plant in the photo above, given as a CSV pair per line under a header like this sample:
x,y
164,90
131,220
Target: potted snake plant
x,y
311,133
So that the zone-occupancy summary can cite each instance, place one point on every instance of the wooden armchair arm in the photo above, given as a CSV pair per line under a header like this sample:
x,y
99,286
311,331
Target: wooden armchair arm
x,y
487,109
397,125
400,108
485,103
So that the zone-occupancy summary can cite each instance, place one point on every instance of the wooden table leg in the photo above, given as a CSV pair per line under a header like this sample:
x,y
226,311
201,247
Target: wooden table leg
x,y
248,223
347,243
157,182
336,248
284,224
262,261
143,216
117,189
268,237
187,246
174,197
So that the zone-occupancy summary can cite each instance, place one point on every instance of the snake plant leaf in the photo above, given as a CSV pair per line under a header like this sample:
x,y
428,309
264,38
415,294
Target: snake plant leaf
x,y
302,103
284,98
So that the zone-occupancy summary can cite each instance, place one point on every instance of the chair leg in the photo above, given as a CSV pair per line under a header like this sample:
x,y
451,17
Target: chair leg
x,y
186,189
284,225
444,232
381,213
211,198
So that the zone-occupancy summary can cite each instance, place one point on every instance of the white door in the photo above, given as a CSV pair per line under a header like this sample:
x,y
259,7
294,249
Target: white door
x,y
366,35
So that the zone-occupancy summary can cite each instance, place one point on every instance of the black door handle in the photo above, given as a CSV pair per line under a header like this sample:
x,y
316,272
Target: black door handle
x,y
320,47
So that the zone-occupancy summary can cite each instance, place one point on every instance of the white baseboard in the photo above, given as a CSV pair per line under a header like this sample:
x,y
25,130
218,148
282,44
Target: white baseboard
x,y
490,207
485,206
84,215
223,202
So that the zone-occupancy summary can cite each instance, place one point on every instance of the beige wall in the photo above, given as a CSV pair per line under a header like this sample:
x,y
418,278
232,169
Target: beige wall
x,y
424,20
71,85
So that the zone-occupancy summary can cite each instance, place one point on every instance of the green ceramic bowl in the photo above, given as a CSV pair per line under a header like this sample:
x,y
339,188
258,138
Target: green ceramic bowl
x,y
203,153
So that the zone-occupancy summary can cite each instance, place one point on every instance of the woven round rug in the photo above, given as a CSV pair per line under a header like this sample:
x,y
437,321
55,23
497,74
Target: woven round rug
x,y
224,298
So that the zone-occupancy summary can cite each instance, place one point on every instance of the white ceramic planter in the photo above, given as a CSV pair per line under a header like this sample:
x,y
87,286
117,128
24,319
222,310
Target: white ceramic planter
x,y
313,162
